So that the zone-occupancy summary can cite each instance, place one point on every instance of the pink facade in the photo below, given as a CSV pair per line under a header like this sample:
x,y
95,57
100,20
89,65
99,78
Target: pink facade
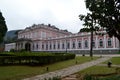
x,y
50,38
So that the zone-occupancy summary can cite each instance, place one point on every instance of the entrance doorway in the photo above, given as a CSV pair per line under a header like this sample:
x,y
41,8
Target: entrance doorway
x,y
27,47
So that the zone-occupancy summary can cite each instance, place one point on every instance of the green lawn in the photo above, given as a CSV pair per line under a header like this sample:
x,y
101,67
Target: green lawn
x,y
20,72
114,60
98,70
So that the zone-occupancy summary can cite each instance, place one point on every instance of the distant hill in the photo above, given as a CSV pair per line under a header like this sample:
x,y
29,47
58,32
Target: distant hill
x,y
11,36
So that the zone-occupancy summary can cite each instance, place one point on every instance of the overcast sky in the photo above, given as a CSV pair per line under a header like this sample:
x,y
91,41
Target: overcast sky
x,y
20,14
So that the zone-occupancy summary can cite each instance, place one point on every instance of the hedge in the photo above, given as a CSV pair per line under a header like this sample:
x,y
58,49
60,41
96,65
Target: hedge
x,y
33,58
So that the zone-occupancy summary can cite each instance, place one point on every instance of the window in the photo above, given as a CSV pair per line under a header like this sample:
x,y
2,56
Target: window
x,y
46,46
58,45
109,42
79,44
68,45
43,34
33,46
86,44
37,46
63,46
73,45
42,46
93,43
50,46
54,46
101,43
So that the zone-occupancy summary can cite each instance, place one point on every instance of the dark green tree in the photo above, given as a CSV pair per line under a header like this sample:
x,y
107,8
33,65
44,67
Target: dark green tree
x,y
3,27
90,24
107,15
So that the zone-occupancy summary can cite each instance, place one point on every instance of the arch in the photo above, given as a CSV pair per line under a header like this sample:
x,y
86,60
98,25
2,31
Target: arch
x,y
27,46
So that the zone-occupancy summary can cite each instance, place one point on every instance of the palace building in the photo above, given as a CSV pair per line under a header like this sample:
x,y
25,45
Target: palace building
x,y
49,38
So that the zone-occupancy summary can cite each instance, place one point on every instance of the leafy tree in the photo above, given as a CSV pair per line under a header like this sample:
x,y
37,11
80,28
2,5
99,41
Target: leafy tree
x,y
107,15
3,27
90,26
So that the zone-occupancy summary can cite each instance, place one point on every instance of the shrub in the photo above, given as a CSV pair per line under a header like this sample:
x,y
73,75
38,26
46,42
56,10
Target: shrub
x,y
34,58
12,50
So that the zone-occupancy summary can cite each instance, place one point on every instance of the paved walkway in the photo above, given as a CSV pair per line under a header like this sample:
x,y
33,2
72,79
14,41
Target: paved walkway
x,y
68,71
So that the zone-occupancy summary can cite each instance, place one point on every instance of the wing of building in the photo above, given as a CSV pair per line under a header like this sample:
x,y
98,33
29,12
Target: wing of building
x,y
49,38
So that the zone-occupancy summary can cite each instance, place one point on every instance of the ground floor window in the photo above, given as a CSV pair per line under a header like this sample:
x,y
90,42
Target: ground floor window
x,y
86,44
79,44
101,43
63,46
109,42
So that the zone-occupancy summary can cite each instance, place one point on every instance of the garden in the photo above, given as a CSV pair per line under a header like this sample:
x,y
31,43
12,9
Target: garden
x,y
33,58
16,65
99,72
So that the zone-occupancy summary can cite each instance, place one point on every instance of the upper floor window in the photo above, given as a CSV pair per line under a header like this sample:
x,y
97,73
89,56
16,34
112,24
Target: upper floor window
x,y
109,42
86,44
101,43
43,34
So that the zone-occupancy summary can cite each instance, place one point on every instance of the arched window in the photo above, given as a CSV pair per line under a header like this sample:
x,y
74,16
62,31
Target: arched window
x,y
109,42
73,45
86,44
101,43
79,44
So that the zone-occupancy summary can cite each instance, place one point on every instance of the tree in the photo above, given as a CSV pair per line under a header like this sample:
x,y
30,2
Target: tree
x,y
107,15
90,26
3,27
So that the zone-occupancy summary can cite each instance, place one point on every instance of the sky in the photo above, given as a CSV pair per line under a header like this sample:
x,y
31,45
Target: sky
x,y
20,14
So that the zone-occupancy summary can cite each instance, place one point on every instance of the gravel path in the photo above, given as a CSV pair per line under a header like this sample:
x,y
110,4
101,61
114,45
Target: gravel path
x,y
68,71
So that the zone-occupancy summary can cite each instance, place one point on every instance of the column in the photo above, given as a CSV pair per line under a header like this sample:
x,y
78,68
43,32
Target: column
x,y
113,41
76,44
70,44
82,43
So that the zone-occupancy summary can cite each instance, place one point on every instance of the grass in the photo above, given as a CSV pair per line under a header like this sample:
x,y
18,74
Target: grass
x,y
98,70
104,71
20,72
114,60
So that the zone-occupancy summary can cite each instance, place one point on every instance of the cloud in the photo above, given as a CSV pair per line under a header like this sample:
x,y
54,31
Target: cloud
x,y
61,13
